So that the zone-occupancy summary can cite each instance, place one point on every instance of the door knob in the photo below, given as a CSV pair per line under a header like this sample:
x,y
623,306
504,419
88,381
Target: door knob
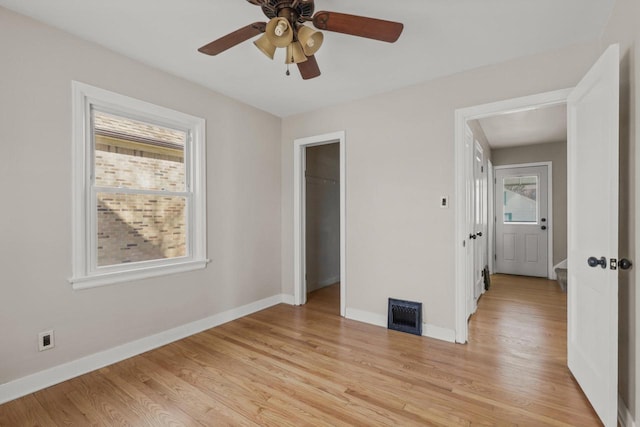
x,y
544,227
625,264
479,234
594,262
543,219
472,236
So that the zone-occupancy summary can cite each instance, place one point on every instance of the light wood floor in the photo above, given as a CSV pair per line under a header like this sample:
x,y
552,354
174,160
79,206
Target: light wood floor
x,y
308,366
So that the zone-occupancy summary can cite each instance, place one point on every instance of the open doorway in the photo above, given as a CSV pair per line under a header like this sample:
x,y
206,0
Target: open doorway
x,y
490,125
314,164
529,154
322,225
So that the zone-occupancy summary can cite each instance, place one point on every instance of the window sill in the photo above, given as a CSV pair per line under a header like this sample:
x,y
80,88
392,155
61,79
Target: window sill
x,y
103,279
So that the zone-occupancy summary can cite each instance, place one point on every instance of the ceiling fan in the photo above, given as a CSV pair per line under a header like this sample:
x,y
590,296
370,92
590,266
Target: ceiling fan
x,y
286,29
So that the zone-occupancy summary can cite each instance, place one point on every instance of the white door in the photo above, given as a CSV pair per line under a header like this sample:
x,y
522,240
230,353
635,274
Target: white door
x,y
522,223
479,220
470,222
490,214
592,179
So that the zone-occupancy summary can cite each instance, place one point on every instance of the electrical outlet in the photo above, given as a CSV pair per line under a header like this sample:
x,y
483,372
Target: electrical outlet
x,y
46,340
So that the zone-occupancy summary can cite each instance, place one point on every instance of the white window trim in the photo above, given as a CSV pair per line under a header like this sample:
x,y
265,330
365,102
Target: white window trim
x,y
83,97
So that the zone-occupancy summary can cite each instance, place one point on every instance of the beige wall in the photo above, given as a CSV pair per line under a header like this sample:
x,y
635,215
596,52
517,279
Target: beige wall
x,y
556,153
624,28
38,64
399,160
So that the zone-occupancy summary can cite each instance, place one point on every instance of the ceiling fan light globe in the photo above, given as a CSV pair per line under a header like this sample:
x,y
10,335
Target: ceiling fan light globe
x,y
310,39
265,46
295,54
279,32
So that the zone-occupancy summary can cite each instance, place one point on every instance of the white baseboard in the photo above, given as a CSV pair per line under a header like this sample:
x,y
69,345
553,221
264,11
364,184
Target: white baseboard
x,y
288,299
329,281
428,330
438,332
366,317
322,283
624,416
43,379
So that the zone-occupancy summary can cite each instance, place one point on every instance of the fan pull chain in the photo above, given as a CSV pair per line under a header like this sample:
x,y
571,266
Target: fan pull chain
x,y
287,73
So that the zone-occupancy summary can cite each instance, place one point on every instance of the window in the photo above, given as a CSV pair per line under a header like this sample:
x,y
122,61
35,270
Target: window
x,y
520,200
138,189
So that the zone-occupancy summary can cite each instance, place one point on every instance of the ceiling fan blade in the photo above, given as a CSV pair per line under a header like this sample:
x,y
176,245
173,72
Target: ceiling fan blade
x,y
232,39
309,69
371,28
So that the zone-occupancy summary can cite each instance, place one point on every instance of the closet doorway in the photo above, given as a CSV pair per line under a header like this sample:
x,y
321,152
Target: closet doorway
x,y
322,223
322,246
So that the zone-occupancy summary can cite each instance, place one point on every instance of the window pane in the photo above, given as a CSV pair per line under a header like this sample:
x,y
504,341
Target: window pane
x,y
520,199
137,155
140,227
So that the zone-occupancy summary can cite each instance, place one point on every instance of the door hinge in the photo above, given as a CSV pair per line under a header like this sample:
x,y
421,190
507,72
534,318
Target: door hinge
x,y
495,256
613,264
481,169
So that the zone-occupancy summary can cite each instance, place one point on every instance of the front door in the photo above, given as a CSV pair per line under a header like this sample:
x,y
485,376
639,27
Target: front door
x,y
522,221
592,243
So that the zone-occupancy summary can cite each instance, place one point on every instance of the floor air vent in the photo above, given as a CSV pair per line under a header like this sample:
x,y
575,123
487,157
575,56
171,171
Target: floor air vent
x,y
405,316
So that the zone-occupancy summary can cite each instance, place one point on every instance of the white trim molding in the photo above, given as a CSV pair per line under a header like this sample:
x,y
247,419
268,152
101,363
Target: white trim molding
x,y
461,117
299,267
288,299
428,330
43,379
438,332
366,317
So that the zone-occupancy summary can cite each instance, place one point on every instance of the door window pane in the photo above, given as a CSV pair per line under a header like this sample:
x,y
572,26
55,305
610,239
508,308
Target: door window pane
x,y
520,199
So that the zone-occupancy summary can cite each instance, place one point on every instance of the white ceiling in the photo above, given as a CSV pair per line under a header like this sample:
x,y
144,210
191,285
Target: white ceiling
x,y
537,126
441,37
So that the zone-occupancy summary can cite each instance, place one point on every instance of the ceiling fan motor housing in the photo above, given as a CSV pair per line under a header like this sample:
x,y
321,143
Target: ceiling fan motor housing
x,y
300,11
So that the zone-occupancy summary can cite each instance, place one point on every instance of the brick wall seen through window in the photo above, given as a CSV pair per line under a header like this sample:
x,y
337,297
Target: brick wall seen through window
x,y
146,219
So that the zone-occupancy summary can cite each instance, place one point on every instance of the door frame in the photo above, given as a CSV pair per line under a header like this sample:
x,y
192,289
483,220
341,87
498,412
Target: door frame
x,y
461,178
299,214
550,220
